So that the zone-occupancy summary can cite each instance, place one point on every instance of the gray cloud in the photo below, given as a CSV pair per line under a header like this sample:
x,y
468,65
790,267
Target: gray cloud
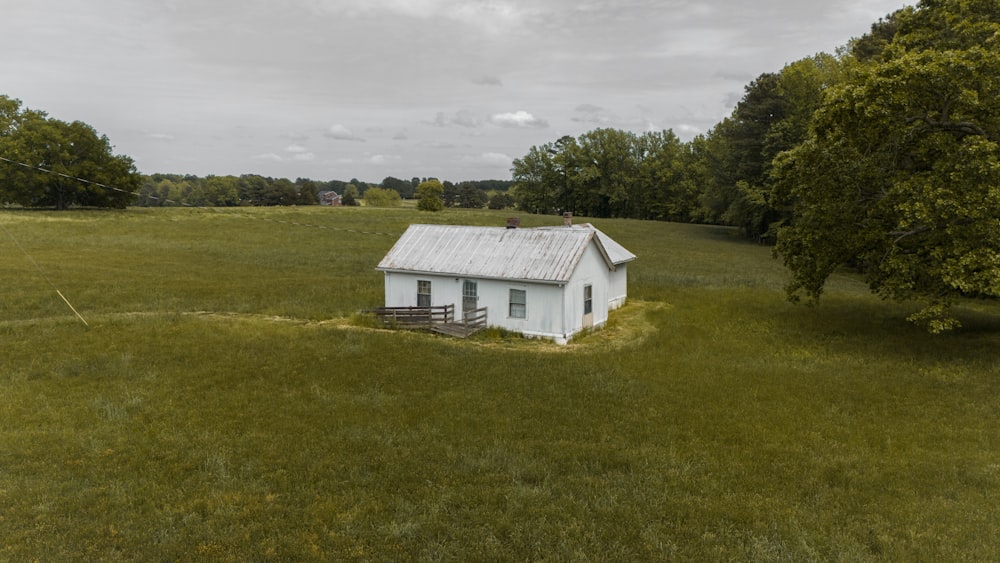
x,y
517,73
488,81
461,118
342,133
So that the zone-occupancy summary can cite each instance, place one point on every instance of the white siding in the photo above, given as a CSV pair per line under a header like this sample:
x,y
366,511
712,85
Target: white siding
x,y
544,315
617,287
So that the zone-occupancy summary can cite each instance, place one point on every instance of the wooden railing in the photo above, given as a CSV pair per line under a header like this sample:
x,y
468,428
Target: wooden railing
x,y
440,318
416,316
475,318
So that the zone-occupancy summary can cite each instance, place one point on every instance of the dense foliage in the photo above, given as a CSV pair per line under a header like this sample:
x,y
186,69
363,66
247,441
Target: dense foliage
x,y
723,177
51,163
159,190
900,175
382,197
429,195
884,158
225,191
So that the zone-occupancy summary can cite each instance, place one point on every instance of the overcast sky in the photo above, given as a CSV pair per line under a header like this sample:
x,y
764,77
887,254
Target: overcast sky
x,y
341,89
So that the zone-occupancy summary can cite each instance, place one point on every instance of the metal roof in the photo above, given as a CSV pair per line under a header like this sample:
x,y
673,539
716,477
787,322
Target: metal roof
x,y
614,252
545,254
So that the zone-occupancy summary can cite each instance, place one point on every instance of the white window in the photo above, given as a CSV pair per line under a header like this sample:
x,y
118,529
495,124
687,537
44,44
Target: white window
x,y
518,304
423,293
588,300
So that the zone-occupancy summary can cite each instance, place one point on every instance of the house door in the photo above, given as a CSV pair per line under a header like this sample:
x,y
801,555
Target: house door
x,y
470,296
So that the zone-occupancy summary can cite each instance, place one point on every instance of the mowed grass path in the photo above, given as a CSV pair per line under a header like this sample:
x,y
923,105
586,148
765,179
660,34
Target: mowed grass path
x,y
226,404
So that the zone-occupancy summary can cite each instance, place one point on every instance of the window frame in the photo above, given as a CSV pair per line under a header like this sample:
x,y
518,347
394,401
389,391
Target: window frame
x,y
515,307
588,299
424,297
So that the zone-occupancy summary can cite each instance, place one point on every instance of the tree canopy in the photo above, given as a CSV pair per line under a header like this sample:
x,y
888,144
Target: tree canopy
x,y
381,197
52,163
225,191
608,173
883,158
429,195
900,174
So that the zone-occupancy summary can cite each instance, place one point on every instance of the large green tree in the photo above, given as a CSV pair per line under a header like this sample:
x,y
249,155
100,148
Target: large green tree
x,y
54,163
900,176
608,173
537,180
429,195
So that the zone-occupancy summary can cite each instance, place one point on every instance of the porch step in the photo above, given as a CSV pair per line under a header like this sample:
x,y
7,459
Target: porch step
x,y
457,330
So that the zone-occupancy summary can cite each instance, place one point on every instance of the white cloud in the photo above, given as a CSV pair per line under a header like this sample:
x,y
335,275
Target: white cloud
x,y
342,133
519,118
297,154
495,158
269,156
379,159
492,15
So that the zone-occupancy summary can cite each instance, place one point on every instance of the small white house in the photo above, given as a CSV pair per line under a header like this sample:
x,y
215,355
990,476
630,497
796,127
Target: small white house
x,y
549,282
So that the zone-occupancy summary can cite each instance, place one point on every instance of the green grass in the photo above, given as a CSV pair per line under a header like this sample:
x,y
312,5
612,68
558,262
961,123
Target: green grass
x,y
226,404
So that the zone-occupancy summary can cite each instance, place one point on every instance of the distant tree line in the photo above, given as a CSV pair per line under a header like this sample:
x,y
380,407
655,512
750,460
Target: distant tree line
x,y
157,190
469,194
170,190
722,177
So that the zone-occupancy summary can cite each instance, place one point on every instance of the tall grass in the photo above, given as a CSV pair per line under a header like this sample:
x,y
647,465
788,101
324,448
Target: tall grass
x,y
220,406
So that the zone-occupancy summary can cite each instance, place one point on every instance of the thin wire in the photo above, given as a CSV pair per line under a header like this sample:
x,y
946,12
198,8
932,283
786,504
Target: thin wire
x,y
202,207
44,275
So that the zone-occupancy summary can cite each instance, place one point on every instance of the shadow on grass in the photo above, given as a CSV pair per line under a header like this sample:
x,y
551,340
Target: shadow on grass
x,y
869,325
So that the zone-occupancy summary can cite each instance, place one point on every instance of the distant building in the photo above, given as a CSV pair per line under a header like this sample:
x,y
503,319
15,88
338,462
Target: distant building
x,y
330,198
549,282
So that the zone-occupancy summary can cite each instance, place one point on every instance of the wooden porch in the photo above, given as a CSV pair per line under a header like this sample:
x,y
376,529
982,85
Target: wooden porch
x,y
439,319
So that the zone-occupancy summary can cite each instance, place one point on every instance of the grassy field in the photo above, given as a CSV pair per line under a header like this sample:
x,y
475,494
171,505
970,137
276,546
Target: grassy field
x,y
227,403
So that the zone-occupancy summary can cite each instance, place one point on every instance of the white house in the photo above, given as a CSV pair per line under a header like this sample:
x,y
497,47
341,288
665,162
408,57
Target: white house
x,y
549,282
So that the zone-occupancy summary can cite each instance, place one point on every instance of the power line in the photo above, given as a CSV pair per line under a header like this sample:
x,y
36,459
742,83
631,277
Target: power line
x,y
48,279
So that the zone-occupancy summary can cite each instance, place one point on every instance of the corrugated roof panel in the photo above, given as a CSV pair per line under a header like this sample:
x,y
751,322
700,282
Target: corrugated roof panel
x,y
616,252
548,255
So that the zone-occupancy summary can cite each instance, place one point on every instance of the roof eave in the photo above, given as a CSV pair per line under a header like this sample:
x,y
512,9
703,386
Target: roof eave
x,y
469,276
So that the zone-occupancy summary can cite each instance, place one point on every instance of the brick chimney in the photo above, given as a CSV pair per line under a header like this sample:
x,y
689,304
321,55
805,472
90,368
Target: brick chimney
x,y
513,222
567,219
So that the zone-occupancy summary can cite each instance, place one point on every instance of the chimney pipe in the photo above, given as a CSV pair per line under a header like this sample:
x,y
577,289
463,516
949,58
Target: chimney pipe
x,y
567,219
